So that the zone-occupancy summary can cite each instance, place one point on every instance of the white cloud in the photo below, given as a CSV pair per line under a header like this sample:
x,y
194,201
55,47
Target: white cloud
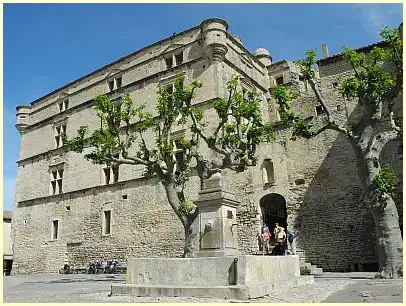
x,y
374,16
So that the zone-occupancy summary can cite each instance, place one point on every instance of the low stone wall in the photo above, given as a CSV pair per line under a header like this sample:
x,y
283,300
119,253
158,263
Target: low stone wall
x,y
211,271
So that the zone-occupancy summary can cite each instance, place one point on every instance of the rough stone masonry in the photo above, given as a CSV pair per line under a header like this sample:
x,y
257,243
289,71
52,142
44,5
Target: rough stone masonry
x,y
68,210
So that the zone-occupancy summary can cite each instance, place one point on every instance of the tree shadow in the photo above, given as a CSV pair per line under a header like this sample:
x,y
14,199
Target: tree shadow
x,y
334,226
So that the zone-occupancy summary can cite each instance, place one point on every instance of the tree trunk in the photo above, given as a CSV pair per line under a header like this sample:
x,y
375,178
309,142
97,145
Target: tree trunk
x,y
189,249
187,221
390,249
385,214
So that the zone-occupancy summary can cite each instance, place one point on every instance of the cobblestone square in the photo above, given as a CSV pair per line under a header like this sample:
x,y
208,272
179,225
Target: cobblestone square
x,y
354,287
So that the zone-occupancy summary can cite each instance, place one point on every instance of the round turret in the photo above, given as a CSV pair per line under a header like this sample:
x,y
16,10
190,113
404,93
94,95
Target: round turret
x,y
22,117
214,33
263,56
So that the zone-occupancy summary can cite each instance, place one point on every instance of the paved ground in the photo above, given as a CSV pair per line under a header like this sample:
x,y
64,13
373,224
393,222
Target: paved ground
x,y
354,287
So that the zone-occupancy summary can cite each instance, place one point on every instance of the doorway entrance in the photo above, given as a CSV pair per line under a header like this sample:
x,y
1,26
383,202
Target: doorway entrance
x,y
273,208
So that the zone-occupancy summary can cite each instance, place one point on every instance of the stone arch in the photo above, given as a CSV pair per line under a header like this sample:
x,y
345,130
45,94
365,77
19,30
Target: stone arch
x,y
273,209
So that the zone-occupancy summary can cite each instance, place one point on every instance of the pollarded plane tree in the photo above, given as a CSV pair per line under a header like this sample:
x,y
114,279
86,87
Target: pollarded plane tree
x,y
123,139
375,84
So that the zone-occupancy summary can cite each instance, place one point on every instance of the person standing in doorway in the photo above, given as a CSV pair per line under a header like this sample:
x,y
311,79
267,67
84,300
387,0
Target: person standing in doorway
x,y
280,236
291,247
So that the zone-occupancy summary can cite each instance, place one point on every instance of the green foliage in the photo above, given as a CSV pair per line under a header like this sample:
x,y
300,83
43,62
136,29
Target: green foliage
x,y
186,207
308,64
372,83
385,180
241,127
300,127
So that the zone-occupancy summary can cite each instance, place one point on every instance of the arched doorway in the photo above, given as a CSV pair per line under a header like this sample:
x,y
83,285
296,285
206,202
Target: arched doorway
x,y
273,208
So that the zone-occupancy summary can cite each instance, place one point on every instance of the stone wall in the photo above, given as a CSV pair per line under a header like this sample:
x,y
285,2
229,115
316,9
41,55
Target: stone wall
x,y
332,225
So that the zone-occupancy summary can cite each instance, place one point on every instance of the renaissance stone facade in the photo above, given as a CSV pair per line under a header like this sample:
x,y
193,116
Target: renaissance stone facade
x,y
68,210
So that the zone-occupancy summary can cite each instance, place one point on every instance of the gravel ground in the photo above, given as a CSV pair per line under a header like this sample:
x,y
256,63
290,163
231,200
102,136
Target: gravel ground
x,y
313,293
328,287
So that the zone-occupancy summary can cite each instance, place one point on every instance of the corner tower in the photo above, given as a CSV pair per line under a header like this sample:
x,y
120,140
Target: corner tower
x,y
22,117
214,37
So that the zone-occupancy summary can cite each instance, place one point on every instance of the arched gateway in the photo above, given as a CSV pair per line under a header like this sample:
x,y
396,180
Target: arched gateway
x,y
273,208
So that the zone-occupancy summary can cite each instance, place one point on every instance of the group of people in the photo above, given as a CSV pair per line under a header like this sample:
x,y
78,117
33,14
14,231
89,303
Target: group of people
x,y
284,239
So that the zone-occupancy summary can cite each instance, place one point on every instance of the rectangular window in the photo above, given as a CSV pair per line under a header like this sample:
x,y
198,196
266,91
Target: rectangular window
x,y
279,80
107,222
59,131
115,83
118,82
63,105
111,172
320,110
56,181
169,62
115,172
179,59
179,154
55,229
111,85
107,175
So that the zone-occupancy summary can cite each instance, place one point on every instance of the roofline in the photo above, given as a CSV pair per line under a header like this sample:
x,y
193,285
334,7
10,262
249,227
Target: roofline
x,y
113,63
362,49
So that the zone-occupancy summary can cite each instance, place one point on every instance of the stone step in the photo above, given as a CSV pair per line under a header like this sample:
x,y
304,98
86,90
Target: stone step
x,y
236,292
305,267
314,270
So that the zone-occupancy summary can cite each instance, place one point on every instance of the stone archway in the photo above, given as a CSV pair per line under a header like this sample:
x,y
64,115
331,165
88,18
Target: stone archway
x,y
273,208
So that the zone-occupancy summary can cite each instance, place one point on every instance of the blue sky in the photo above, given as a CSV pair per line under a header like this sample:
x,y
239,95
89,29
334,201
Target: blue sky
x,y
48,45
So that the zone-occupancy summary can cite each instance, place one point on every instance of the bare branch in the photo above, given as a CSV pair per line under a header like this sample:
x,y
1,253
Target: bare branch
x,y
379,142
392,121
128,160
319,97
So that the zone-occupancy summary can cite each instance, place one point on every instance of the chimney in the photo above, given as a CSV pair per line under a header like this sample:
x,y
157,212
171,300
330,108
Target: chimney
x,y
324,47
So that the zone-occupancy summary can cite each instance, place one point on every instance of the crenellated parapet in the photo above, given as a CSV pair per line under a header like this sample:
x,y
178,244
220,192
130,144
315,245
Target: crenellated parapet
x,y
22,117
214,36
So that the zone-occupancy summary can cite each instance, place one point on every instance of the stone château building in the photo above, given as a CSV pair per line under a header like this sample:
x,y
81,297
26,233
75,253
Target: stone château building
x,y
68,210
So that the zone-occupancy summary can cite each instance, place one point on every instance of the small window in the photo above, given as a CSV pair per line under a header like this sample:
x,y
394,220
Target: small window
x,y
279,80
169,62
179,59
107,222
111,85
115,174
179,154
56,181
59,132
169,89
300,181
60,107
320,110
55,229
68,207
268,176
107,172
111,173
66,104
229,214
118,82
